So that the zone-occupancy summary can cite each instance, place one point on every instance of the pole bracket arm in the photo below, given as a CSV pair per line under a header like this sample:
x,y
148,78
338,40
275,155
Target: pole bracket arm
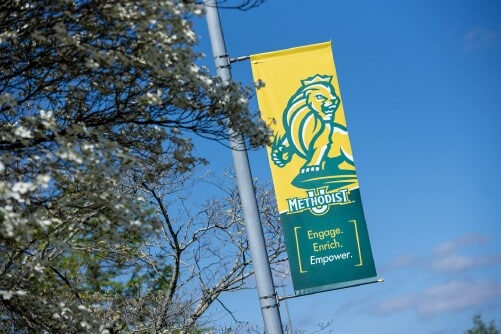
x,y
233,60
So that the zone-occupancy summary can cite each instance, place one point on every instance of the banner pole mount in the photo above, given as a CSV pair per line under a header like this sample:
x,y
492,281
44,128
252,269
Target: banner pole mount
x,y
242,58
379,280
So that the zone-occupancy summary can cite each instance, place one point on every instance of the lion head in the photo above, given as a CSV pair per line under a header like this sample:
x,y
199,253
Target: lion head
x,y
308,121
320,96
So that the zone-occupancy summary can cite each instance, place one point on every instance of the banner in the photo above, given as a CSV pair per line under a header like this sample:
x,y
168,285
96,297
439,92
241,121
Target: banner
x,y
313,172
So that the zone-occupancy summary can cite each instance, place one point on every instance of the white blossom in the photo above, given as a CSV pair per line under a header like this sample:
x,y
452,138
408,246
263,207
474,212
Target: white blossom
x,y
91,63
23,187
8,294
23,132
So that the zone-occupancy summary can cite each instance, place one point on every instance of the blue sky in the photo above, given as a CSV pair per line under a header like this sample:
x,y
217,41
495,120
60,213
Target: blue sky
x,y
420,82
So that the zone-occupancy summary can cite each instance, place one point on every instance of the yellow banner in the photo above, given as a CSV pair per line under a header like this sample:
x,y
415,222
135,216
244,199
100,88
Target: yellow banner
x,y
301,102
314,175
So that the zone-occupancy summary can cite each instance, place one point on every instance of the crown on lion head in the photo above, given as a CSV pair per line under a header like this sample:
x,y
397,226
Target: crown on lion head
x,y
317,78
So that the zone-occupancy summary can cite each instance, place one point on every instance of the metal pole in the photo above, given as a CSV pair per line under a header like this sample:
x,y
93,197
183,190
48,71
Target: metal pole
x,y
264,280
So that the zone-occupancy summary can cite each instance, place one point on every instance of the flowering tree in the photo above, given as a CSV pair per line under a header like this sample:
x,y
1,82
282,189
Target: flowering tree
x,y
98,104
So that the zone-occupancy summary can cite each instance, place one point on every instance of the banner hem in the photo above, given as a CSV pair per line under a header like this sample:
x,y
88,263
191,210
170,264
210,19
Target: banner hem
x,y
336,286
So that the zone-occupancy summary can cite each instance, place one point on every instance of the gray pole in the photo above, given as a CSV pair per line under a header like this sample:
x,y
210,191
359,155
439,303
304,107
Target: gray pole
x,y
264,279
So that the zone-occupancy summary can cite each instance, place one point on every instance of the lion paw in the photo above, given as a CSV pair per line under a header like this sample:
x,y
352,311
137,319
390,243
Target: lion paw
x,y
281,156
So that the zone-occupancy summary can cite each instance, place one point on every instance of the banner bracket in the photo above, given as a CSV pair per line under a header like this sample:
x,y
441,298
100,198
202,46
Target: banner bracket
x,y
280,298
273,296
242,58
223,58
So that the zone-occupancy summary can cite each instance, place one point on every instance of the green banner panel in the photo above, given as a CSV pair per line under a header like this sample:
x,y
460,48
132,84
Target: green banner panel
x,y
329,251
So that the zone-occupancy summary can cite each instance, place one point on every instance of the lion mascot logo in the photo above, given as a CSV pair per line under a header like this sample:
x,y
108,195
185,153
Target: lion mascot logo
x,y
312,134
